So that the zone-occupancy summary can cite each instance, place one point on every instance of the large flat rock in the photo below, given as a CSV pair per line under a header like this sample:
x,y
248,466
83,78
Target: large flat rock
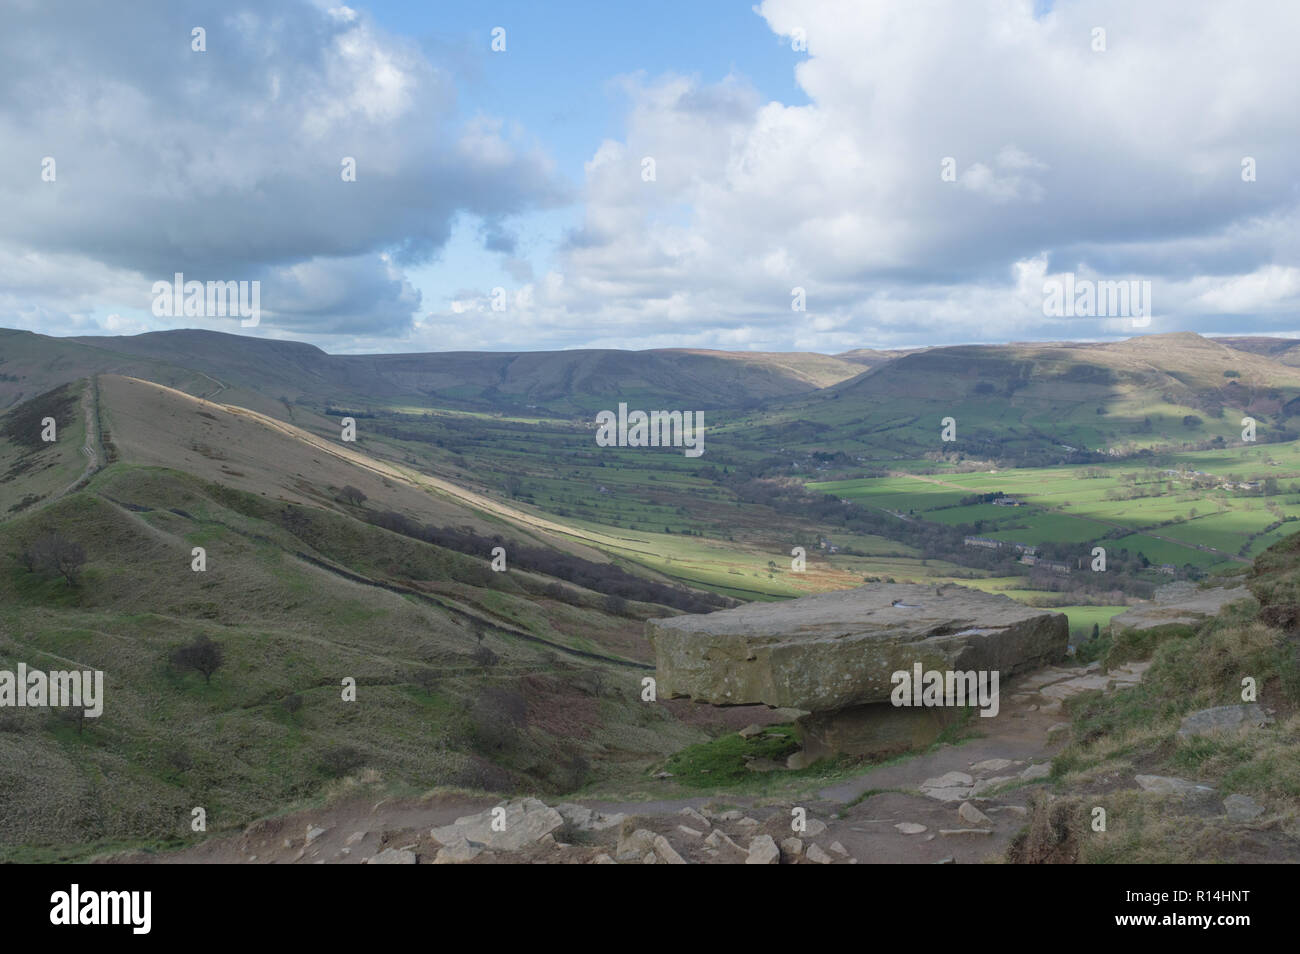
x,y
1183,603
840,649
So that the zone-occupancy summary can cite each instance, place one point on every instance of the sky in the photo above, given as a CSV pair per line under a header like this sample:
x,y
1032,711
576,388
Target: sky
x,y
808,175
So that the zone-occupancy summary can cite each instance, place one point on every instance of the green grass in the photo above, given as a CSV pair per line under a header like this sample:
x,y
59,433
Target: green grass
x,y
168,740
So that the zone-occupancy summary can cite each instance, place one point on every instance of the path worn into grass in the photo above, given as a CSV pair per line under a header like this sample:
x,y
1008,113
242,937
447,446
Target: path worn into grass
x,y
860,813
91,448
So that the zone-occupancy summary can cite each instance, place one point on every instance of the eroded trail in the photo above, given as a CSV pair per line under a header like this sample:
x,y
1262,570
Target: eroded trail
x,y
959,803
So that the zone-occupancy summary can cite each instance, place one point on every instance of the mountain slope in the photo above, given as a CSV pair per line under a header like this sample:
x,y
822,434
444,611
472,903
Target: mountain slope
x,y
464,677
563,382
1038,402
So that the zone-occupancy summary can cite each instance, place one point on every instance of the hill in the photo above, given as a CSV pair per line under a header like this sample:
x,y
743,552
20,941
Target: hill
x,y
558,382
464,677
1044,403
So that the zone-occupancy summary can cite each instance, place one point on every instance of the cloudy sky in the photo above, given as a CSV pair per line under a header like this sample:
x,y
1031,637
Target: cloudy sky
x,y
794,144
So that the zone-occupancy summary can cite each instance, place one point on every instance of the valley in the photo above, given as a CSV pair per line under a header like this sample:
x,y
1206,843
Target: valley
x,y
370,561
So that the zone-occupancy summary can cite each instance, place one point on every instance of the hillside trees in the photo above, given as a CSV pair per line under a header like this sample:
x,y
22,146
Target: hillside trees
x,y
54,553
352,495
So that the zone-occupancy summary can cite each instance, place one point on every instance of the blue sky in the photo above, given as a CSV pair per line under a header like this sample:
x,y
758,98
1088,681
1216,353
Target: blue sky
x,y
828,174
557,80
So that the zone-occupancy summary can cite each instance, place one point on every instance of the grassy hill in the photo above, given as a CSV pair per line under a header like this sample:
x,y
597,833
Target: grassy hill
x,y
1039,403
465,677
559,382
1113,737
31,364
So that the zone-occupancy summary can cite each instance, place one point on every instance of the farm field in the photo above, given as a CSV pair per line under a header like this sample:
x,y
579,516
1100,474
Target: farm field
x,y
1180,509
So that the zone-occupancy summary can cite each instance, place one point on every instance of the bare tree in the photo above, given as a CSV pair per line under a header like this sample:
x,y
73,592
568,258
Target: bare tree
x,y
201,655
55,553
352,495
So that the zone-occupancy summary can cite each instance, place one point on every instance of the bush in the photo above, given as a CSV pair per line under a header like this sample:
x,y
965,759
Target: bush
x,y
352,495
497,719
485,657
339,760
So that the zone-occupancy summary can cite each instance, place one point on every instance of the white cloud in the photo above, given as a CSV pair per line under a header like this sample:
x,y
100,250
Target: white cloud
x,y
1123,164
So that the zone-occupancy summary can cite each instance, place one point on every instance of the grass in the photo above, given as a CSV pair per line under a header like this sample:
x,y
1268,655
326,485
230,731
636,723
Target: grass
x,y
168,741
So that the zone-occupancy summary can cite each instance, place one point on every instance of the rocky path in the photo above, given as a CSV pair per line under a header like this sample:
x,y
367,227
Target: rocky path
x,y
958,804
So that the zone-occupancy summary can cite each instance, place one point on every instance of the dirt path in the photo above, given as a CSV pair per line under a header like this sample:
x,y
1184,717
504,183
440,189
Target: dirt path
x,y
995,772
91,448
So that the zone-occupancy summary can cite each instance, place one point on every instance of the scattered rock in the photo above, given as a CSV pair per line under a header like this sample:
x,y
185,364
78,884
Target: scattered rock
x,y
948,794
1182,602
910,828
948,780
526,821
1168,785
603,859
635,844
763,851
792,847
1040,770
1224,719
578,817
457,851
799,760
393,856
972,815
313,833
690,832
355,837
949,832
839,849
991,765
695,816
1242,808
719,839
665,850
749,731
581,818
816,855
814,827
